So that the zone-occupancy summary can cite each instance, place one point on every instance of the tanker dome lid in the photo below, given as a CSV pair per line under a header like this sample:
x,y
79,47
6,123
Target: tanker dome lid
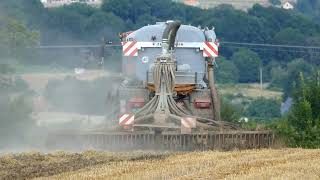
x,y
162,23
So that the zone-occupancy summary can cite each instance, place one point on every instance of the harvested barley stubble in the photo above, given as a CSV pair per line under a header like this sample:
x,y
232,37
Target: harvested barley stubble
x,y
249,164
34,164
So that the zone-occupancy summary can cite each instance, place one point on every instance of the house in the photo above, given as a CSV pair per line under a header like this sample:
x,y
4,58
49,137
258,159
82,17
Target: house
x,y
191,2
287,5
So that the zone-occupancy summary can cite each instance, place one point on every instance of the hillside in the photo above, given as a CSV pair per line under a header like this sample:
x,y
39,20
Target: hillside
x,y
238,4
250,164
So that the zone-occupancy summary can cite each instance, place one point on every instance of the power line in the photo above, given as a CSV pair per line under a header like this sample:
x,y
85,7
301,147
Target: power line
x,y
253,46
75,46
278,50
273,45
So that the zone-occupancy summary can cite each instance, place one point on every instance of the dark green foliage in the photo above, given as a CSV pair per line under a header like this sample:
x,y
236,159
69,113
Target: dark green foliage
x,y
226,72
268,68
248,64
302,126
275,2
6,69
236,25
279,76
128,10
14,36
260,24
263,108
80,22
310,7
277,19
230,112
289,36
251,125
284,76
30,12
294,68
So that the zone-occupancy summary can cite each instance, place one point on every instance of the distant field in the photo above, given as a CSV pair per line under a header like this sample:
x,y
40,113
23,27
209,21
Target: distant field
x,y
248,90
250,164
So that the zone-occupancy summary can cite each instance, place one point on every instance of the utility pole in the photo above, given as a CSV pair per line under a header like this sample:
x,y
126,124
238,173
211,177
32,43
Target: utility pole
x,y
261,80
102,53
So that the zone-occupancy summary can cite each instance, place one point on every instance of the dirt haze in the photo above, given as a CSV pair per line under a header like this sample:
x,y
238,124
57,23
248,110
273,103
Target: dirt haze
x,y
38,81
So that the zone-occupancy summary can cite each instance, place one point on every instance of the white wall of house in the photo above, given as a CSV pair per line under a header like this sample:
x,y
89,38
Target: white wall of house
x,y
287,6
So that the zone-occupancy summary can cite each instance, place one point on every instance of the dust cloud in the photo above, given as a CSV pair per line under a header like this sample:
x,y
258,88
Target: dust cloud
x,y
44,101
55,85
71,104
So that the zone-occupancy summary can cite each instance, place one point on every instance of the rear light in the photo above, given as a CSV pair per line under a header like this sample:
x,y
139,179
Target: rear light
x,y
134,103
202,103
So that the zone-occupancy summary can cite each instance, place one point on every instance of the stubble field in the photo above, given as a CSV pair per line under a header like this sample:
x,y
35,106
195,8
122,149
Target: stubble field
x,y
250,164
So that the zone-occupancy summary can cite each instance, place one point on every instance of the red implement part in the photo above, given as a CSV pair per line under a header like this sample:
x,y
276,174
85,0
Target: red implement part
x,y
136,102
202,103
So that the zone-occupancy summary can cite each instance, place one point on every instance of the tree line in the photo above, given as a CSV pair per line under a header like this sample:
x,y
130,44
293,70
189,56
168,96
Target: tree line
x,y
83,24
301,126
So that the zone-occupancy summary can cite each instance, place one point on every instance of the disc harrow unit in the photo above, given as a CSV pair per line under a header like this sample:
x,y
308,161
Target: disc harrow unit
x,y
125,141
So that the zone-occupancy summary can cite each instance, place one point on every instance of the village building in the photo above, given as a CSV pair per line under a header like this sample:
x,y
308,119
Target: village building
x,y
287,5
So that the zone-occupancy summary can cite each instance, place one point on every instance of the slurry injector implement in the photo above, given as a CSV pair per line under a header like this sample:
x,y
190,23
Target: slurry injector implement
x,y
168,99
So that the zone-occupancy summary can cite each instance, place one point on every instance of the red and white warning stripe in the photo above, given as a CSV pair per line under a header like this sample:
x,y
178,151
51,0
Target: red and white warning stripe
x,y
210,49
126,120
130,48
188,122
